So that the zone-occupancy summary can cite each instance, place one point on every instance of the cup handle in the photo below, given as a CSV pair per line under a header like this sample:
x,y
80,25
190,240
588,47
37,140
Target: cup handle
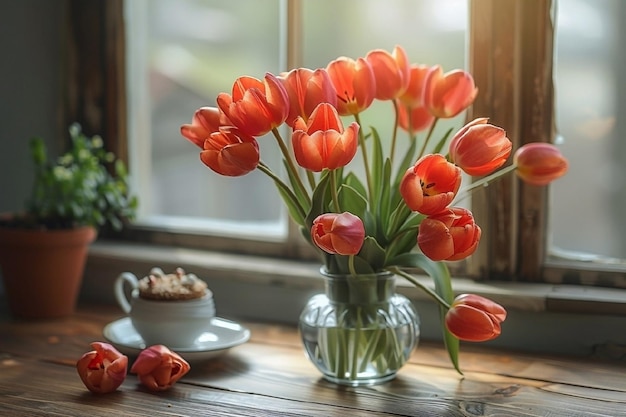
x,y
120,294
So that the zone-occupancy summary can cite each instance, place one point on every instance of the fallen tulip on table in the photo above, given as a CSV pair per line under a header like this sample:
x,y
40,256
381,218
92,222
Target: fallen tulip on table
x,y
158,368
103,369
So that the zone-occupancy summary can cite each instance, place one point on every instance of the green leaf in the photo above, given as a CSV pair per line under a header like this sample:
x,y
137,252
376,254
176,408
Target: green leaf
x,y
319,200
440,274
407,161
353,181
293,181
373,253
377,165
350,200
442,142
383,203
294,212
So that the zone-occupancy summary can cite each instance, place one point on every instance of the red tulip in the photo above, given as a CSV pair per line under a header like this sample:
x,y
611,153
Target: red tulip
x,y
539,163
414,119
354,82
450,235
322,142
205,121
103,369
391,71
447,95
341,234
431,184
306,89
480,148
158,368
230,152
255,107
474,318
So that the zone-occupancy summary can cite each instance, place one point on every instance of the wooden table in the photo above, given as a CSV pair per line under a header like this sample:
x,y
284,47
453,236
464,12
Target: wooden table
x,y
269,376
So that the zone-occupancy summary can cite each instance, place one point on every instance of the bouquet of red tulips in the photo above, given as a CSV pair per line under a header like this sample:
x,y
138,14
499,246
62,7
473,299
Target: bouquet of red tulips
x,y
399,212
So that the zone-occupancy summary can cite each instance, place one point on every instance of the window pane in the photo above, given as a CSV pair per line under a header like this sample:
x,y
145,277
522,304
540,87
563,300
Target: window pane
x,y
589,202
194,50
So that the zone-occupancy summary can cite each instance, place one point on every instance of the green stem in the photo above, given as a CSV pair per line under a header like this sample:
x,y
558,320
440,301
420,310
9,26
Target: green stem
x,y
483,182
281,184
418,284
366,164
356,345
351,265
290,164
430,133
395,131
333,190
311,178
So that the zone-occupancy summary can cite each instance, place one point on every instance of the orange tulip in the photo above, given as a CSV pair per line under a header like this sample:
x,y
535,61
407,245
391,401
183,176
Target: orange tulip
x,y
205,121
447,95
255,107
323,142
354,82
431,184
480,148
391,71
103,369
230,152
306,89
414,119
474,318
158,368
539,163
412,97
450,235
341,234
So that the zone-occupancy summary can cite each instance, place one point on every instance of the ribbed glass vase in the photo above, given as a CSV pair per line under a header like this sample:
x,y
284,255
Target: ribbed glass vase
x,y
360,331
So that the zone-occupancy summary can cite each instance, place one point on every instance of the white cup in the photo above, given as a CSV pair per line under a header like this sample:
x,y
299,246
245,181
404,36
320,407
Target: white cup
x,y
174,323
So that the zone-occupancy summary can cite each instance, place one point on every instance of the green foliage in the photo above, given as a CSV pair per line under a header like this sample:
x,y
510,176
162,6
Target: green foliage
x,y
86,186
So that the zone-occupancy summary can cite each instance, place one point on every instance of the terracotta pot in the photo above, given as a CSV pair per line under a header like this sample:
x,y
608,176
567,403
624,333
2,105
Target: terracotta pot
x,y
42,270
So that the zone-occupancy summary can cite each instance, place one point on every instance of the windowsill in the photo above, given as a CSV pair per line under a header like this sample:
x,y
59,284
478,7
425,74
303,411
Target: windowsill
x,y
542,317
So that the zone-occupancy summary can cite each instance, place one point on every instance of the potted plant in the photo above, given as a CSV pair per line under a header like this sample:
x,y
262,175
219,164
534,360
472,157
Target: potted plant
x,y
44,248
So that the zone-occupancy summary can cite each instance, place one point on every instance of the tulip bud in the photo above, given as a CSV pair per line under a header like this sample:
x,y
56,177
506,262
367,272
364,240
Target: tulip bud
x,y
341,234
539,163
391,72
447,95
474,318
306,89
480,148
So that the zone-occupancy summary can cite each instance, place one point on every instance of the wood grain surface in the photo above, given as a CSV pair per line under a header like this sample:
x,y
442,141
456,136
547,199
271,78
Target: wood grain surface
x,y
270,376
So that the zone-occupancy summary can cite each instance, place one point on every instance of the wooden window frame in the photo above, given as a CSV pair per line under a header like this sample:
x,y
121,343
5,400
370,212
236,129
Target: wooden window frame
x,y
511,58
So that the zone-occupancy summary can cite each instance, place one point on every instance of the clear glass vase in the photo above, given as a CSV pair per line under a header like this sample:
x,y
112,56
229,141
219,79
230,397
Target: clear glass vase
x,y
360,332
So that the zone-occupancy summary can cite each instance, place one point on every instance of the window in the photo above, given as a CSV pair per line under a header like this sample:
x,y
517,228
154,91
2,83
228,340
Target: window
x,y
590,98
513,59
183,53
512,45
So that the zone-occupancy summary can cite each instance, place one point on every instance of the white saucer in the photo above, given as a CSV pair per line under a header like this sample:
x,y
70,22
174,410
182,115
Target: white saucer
x,y
220,335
